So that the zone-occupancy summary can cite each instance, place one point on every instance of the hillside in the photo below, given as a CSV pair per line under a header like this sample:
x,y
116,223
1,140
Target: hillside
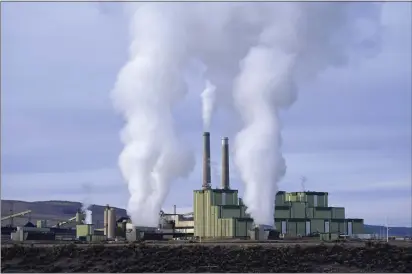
x,y
63,210
54,211
393,231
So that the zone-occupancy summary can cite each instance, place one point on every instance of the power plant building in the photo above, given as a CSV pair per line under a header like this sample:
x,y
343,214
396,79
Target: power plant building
x,y
304,213
220,213
217,213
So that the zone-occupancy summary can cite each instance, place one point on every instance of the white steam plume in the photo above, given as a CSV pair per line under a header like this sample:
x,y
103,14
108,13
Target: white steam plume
x,y
300,41
281,45
86,204
208,101
147,90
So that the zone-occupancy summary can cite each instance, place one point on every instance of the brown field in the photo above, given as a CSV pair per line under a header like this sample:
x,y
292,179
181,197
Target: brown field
x,y
208,257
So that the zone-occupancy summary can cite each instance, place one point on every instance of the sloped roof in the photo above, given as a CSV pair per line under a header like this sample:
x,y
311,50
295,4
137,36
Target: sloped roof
x,y
29,224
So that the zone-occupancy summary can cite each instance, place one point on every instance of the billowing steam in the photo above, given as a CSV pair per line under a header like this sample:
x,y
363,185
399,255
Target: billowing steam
x,y
86,204
258,154
147,90
263,52
208,101
298,43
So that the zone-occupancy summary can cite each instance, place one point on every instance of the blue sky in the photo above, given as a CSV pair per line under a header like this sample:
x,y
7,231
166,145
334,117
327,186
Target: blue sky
x,y
349,133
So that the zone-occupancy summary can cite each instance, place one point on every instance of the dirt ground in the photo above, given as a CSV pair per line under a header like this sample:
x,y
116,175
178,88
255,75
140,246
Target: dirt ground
x,y
222,257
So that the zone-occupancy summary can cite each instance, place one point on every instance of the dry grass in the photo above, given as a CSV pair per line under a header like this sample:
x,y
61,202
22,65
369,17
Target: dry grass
x,y
208,258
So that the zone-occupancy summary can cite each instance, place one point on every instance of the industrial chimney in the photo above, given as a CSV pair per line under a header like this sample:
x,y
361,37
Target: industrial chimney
x,y
225,163
206,161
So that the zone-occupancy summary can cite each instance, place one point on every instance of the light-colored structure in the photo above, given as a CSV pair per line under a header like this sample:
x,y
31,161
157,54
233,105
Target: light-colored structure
x,y
105,219
84,230
79,217
41,223
111,224
218,213
179,223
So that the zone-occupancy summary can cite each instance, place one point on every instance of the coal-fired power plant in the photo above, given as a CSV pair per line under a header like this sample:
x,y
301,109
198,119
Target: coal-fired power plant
x,y
218,212
206,161
225,163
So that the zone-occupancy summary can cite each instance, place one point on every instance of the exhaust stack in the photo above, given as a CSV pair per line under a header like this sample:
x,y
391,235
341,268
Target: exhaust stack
x,y
225,163
206,161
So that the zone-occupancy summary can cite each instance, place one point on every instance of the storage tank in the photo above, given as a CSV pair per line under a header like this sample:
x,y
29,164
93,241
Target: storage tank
x,y
105,219
111,224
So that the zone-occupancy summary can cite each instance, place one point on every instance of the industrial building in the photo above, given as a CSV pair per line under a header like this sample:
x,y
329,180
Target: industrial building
x,y
305,213
220,213
41,232
217,213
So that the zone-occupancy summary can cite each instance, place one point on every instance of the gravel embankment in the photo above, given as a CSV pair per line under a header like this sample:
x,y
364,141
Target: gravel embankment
x,y
203,258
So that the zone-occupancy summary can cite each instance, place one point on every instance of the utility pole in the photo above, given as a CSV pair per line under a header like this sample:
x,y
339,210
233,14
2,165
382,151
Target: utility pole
x,y
387,230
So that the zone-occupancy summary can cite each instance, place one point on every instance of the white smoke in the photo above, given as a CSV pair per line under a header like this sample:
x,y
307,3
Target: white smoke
x,y
257,146
146,92
301,41
86,203
88,218
279,47
208,101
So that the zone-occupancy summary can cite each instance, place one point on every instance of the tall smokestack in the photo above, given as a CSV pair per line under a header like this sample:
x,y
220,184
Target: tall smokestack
x,y
206,161
225,163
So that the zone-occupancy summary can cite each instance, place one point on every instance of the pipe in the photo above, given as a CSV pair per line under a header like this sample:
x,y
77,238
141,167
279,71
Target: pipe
x,y
225,163
206,161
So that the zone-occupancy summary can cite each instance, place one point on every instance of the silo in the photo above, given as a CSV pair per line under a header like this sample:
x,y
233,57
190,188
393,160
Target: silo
x,y
105,219
111,224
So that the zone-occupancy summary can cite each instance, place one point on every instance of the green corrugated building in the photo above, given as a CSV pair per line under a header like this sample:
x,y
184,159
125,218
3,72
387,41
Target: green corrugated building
x,y
304,213
219,213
